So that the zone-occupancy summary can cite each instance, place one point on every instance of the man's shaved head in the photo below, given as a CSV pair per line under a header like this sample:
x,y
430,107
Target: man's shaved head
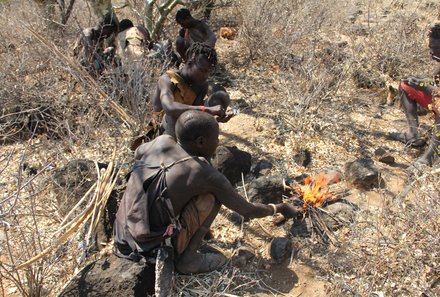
x,y
195,123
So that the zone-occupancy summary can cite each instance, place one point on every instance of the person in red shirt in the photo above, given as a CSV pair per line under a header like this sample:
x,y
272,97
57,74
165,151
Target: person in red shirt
x,y
426,93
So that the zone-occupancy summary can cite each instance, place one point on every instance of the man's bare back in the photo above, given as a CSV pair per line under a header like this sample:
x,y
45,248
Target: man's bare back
x,y
193,177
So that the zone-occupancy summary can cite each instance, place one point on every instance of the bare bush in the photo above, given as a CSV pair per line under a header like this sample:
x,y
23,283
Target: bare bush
x,y
394,251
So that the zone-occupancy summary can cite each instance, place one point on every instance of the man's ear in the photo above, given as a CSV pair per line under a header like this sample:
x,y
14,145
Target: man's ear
x,y
200,141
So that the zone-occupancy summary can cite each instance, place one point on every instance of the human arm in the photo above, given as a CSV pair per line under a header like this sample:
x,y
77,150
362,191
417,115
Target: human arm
x,y
174,108
222,189
211,38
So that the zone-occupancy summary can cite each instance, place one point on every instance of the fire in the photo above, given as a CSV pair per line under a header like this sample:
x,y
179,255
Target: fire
x,y
315,191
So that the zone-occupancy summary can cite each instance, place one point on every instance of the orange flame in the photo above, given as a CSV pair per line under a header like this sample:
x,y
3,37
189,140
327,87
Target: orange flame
x,y
315,191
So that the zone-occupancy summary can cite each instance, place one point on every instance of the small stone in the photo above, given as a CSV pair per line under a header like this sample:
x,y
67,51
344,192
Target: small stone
x,y
303,157
301,228
263,167
387,159
383,156
362,174
340,214
280,249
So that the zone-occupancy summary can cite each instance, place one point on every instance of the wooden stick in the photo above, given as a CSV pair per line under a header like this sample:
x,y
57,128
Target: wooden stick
x,y
76,223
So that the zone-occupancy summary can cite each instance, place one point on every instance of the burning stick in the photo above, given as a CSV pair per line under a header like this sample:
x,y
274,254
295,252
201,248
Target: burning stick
x,y
314,194
315,191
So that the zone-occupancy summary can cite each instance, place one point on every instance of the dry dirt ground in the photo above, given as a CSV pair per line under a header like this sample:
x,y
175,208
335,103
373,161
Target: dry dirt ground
x,y
389,250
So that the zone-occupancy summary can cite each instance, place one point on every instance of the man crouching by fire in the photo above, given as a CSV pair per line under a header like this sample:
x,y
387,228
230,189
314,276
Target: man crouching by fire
x,y
426,93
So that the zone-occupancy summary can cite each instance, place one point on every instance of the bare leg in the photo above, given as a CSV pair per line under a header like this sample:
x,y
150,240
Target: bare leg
x,y
410,108
190,261
434,144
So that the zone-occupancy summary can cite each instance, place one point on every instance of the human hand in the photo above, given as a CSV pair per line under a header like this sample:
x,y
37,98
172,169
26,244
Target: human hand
x,y
216,110
229,114
289,210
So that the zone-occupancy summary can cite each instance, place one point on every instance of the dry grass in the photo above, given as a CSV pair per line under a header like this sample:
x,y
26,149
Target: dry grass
x,y
302,62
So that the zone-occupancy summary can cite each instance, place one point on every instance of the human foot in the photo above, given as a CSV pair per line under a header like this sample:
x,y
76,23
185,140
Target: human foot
x,y
200,263
404,138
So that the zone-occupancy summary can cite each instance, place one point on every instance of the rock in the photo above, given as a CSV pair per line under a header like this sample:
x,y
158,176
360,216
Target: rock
x,y
263,167
112,277
340,214
383,156
243,255
301,228
303,157
267,189
280,249
232,162
362,174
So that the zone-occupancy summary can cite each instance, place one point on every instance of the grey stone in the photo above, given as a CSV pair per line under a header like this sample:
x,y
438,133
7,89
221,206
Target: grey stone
x,y
262,167
383,156
280,249
340,214
267,189
362,174
232,162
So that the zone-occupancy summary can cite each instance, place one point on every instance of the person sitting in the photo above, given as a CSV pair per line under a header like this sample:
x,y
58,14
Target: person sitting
x,y
192,30
132,43
185,89
90,49
415,91
174,194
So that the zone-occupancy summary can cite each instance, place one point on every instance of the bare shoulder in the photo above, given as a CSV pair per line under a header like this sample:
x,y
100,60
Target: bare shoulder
x,y
162,142
164,81
210,175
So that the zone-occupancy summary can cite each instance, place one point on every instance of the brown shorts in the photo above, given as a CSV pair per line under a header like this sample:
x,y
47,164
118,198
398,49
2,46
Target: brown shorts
x,y
192,217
